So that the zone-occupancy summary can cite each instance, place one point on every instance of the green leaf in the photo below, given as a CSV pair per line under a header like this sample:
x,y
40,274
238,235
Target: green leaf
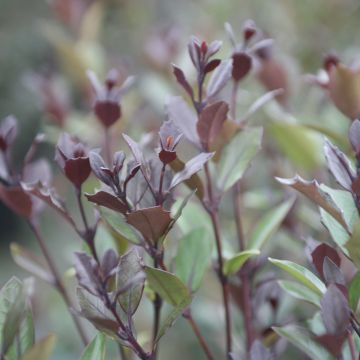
x,y
96,349
269,224
168,286
193,257
353,245
130,267
237,155
234,264
300,338
41,350
354,291
26,338
31,263
118,224
302,146
300,292
301,274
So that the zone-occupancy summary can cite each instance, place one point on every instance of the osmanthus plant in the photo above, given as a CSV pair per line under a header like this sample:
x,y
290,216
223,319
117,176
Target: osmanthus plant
x,y
143,192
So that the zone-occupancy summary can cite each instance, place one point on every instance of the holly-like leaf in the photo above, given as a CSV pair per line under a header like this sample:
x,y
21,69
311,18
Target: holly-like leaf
x,y
41,350
234,264
31,263
191,167
127,278
354,291
335,311
183,117
237,155
339,165
318,256
219,78
96,350
301,274
210,122
300,338
150,222
300,292
313,191
193,257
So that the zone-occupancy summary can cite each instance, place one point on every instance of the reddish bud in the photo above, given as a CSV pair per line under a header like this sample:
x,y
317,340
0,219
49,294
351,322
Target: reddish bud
x,y
330,60
203,47
249,30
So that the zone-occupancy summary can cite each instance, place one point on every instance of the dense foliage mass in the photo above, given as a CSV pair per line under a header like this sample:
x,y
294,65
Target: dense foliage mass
x,y
163,214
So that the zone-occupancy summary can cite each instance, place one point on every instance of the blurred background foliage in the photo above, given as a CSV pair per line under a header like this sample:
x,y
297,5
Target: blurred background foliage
x,y
40,40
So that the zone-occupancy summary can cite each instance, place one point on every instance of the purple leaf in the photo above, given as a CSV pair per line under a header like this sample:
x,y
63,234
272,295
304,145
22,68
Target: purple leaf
x,y
8,132
212,65
183,117
181,79
106,199
318,255
219,78
332,273
211,121
87,272
339,165
335,311
241,65
354,135
191,167
97,166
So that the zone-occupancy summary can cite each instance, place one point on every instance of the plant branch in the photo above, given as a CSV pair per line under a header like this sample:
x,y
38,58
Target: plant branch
x,y
352,346
57,278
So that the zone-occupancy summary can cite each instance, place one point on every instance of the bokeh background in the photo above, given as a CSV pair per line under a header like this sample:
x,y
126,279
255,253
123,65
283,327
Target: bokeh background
x,y
46,47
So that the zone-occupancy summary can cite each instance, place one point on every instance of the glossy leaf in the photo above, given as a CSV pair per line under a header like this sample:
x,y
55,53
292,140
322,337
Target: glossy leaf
x,y
104,198
96,350
193,258
301,274
168,286
237,155
234,264
300,292
269,224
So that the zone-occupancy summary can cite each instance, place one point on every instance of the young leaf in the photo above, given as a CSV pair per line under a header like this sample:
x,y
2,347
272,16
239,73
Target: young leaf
x,y
300,292
219,78
237,155
181,79
318,256
234,264
339,165
168,286
108,200
301,274
269,224
331,273
41,350
210,122
31,262
313,191
191,167
335,311
126,277
354,291
96,350
241,65
300,338
193,257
